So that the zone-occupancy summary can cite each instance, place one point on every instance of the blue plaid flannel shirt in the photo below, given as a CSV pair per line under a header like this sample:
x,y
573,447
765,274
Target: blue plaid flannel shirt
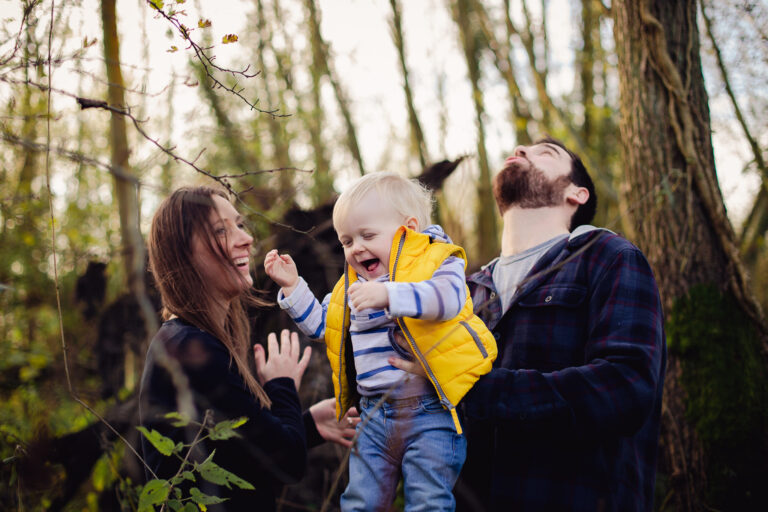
x,y
569,417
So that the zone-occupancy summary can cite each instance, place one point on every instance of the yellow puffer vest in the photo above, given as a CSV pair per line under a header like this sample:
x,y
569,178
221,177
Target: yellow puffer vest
x,y
454,353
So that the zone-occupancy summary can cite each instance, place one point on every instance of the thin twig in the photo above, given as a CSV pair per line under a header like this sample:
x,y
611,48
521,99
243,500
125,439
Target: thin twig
x,y
25,15
207,62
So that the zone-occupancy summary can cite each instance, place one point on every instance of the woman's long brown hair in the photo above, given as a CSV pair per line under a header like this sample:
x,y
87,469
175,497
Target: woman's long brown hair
x,y
186,213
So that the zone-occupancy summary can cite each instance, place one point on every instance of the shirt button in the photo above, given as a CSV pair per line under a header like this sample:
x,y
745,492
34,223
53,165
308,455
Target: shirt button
x,y
496,336
548,299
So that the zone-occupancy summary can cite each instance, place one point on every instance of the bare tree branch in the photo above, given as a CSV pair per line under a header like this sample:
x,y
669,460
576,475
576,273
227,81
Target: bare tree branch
x,y
208,65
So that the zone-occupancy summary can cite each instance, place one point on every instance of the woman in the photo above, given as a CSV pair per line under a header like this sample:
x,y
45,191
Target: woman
x,y
197,362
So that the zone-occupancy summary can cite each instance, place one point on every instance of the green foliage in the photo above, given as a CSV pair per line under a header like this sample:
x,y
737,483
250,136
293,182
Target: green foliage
x,y
171,492
724,376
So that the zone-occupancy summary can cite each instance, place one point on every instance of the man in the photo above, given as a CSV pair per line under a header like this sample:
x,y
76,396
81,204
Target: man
x,y
568,419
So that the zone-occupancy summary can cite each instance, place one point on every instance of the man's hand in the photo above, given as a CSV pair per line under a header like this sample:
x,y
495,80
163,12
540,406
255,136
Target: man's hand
x,y
408,366
368,295
282,270
339,432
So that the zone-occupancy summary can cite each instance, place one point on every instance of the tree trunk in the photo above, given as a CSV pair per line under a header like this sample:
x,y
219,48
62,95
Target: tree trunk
x,y
487,232
418,145
502,56
126,185
322,190
714,398
277,125
341,96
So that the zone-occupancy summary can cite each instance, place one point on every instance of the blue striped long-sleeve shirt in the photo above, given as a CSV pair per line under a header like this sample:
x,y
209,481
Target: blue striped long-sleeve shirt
x,y
372,330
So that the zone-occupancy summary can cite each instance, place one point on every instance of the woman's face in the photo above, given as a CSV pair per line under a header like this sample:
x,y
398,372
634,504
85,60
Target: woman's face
x,y
227,225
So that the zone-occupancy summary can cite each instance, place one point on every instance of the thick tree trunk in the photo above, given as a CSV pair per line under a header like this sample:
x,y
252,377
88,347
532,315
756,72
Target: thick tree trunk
x,y
682,227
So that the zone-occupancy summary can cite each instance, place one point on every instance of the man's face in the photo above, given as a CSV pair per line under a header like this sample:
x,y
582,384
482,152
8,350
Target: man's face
x,y
534,177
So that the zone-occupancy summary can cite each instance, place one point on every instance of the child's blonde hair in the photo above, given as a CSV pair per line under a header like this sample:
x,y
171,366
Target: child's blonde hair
x,y
409,198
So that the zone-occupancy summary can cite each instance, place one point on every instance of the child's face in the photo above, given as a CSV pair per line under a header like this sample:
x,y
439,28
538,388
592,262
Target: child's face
x,y
366,234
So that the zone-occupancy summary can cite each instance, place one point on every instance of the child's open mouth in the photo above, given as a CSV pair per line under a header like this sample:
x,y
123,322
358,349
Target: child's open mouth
x,y
370,265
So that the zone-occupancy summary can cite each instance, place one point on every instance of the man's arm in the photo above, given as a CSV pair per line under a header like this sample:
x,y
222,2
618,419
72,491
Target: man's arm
x,y
615,389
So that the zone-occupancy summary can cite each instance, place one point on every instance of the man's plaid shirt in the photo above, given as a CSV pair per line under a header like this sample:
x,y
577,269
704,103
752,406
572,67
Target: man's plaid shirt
x,y
569,417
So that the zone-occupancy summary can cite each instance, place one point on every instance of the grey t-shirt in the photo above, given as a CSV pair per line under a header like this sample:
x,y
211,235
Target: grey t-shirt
x,y
510,271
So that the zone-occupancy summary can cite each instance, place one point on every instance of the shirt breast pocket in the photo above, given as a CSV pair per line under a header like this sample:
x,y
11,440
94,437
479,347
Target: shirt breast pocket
x,y
553,322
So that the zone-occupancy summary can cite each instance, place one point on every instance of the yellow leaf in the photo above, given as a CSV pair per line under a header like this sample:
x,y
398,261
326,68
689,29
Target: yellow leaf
x,y
203,23
229,38
173,49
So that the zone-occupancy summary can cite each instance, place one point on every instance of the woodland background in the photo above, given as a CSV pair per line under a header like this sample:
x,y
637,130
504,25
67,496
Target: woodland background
x,y
105,108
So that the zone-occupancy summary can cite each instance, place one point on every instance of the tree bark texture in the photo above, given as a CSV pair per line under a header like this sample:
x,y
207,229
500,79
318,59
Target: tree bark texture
x,y
681,225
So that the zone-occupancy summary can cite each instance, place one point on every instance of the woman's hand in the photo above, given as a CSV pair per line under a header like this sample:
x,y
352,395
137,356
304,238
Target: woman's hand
x,y
339,432
282,270
283,360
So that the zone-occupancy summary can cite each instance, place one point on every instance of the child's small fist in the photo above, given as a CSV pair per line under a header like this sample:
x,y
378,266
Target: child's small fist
x,y
368,295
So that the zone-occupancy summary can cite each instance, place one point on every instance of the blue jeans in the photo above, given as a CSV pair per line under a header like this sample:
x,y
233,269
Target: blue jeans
x,y
415,436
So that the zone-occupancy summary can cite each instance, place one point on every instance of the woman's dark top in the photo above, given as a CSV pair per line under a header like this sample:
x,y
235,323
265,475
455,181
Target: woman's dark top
x,y
271,450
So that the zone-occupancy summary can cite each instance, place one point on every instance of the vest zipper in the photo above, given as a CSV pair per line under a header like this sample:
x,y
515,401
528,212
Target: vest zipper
x,y
440,394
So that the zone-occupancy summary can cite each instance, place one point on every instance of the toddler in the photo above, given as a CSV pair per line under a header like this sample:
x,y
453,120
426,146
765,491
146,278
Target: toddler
x,y
403,280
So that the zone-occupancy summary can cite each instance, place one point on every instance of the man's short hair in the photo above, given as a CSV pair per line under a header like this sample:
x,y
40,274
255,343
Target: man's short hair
x,y
579,177
408,197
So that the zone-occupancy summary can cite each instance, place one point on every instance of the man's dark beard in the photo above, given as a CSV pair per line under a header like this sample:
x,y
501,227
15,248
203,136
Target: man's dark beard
x,y
527,187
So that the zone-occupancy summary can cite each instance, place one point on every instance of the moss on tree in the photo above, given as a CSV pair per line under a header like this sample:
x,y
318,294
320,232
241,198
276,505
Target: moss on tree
x,y
725,379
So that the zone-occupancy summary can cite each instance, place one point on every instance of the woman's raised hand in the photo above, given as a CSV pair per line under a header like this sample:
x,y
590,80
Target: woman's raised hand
x,y
283,360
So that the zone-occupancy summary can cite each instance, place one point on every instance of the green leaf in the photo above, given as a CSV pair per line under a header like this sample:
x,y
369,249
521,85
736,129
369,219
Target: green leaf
x,y
225,429
189,507
181,421
188,475
157,4
174,505
204,499
153,493
161,443
214,473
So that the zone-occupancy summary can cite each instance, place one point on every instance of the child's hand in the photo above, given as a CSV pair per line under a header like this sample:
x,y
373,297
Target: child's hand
x,y
368,295
282,270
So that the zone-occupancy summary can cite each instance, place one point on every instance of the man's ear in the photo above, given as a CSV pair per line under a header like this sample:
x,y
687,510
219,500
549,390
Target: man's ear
x,y
576,195
412,224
